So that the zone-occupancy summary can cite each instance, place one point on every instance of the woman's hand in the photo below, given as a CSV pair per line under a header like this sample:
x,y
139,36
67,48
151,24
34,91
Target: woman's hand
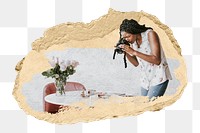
x,y
130,54
127,49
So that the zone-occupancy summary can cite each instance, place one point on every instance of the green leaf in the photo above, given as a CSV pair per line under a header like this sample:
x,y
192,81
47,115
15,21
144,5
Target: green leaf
x,y
44,73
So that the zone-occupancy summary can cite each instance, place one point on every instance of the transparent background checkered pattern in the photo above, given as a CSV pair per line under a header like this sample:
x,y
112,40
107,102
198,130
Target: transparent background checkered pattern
x,y
24,21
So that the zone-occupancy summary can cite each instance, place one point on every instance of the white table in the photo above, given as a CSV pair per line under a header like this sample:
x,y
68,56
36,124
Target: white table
x,y
74,97
70,97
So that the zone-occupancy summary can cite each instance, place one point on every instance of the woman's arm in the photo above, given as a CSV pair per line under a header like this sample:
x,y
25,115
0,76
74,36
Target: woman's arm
x,y
155,56
133,60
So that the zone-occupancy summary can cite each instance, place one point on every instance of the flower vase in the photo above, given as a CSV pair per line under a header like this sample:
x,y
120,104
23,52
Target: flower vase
x,y
60,87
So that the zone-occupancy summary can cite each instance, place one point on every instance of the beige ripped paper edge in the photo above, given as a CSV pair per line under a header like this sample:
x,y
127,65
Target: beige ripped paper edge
x,y
81,35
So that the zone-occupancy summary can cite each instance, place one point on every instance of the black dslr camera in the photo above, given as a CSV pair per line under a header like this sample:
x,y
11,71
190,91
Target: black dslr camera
x,y
119,50
121,41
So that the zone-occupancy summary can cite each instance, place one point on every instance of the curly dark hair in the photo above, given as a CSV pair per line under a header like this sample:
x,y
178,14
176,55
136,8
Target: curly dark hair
x,y
132,26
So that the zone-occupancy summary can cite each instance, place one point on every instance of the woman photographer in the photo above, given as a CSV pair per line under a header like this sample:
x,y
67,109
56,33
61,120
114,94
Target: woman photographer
x,y
146,52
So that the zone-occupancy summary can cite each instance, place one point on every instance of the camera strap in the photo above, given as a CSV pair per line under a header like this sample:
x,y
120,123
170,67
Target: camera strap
x,y
114,54
125,63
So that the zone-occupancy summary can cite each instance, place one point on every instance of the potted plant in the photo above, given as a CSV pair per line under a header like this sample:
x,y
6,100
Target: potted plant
x,y
60,71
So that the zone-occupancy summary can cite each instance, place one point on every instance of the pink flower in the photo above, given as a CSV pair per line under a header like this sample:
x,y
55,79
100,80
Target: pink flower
x,y
67,63
53,62
62,65
74,63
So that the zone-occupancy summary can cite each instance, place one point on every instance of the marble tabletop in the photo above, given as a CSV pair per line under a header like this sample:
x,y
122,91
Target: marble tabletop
x,y
71,97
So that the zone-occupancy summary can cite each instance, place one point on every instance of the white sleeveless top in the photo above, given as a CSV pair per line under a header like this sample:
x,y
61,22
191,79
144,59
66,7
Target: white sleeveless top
x,y
151,74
